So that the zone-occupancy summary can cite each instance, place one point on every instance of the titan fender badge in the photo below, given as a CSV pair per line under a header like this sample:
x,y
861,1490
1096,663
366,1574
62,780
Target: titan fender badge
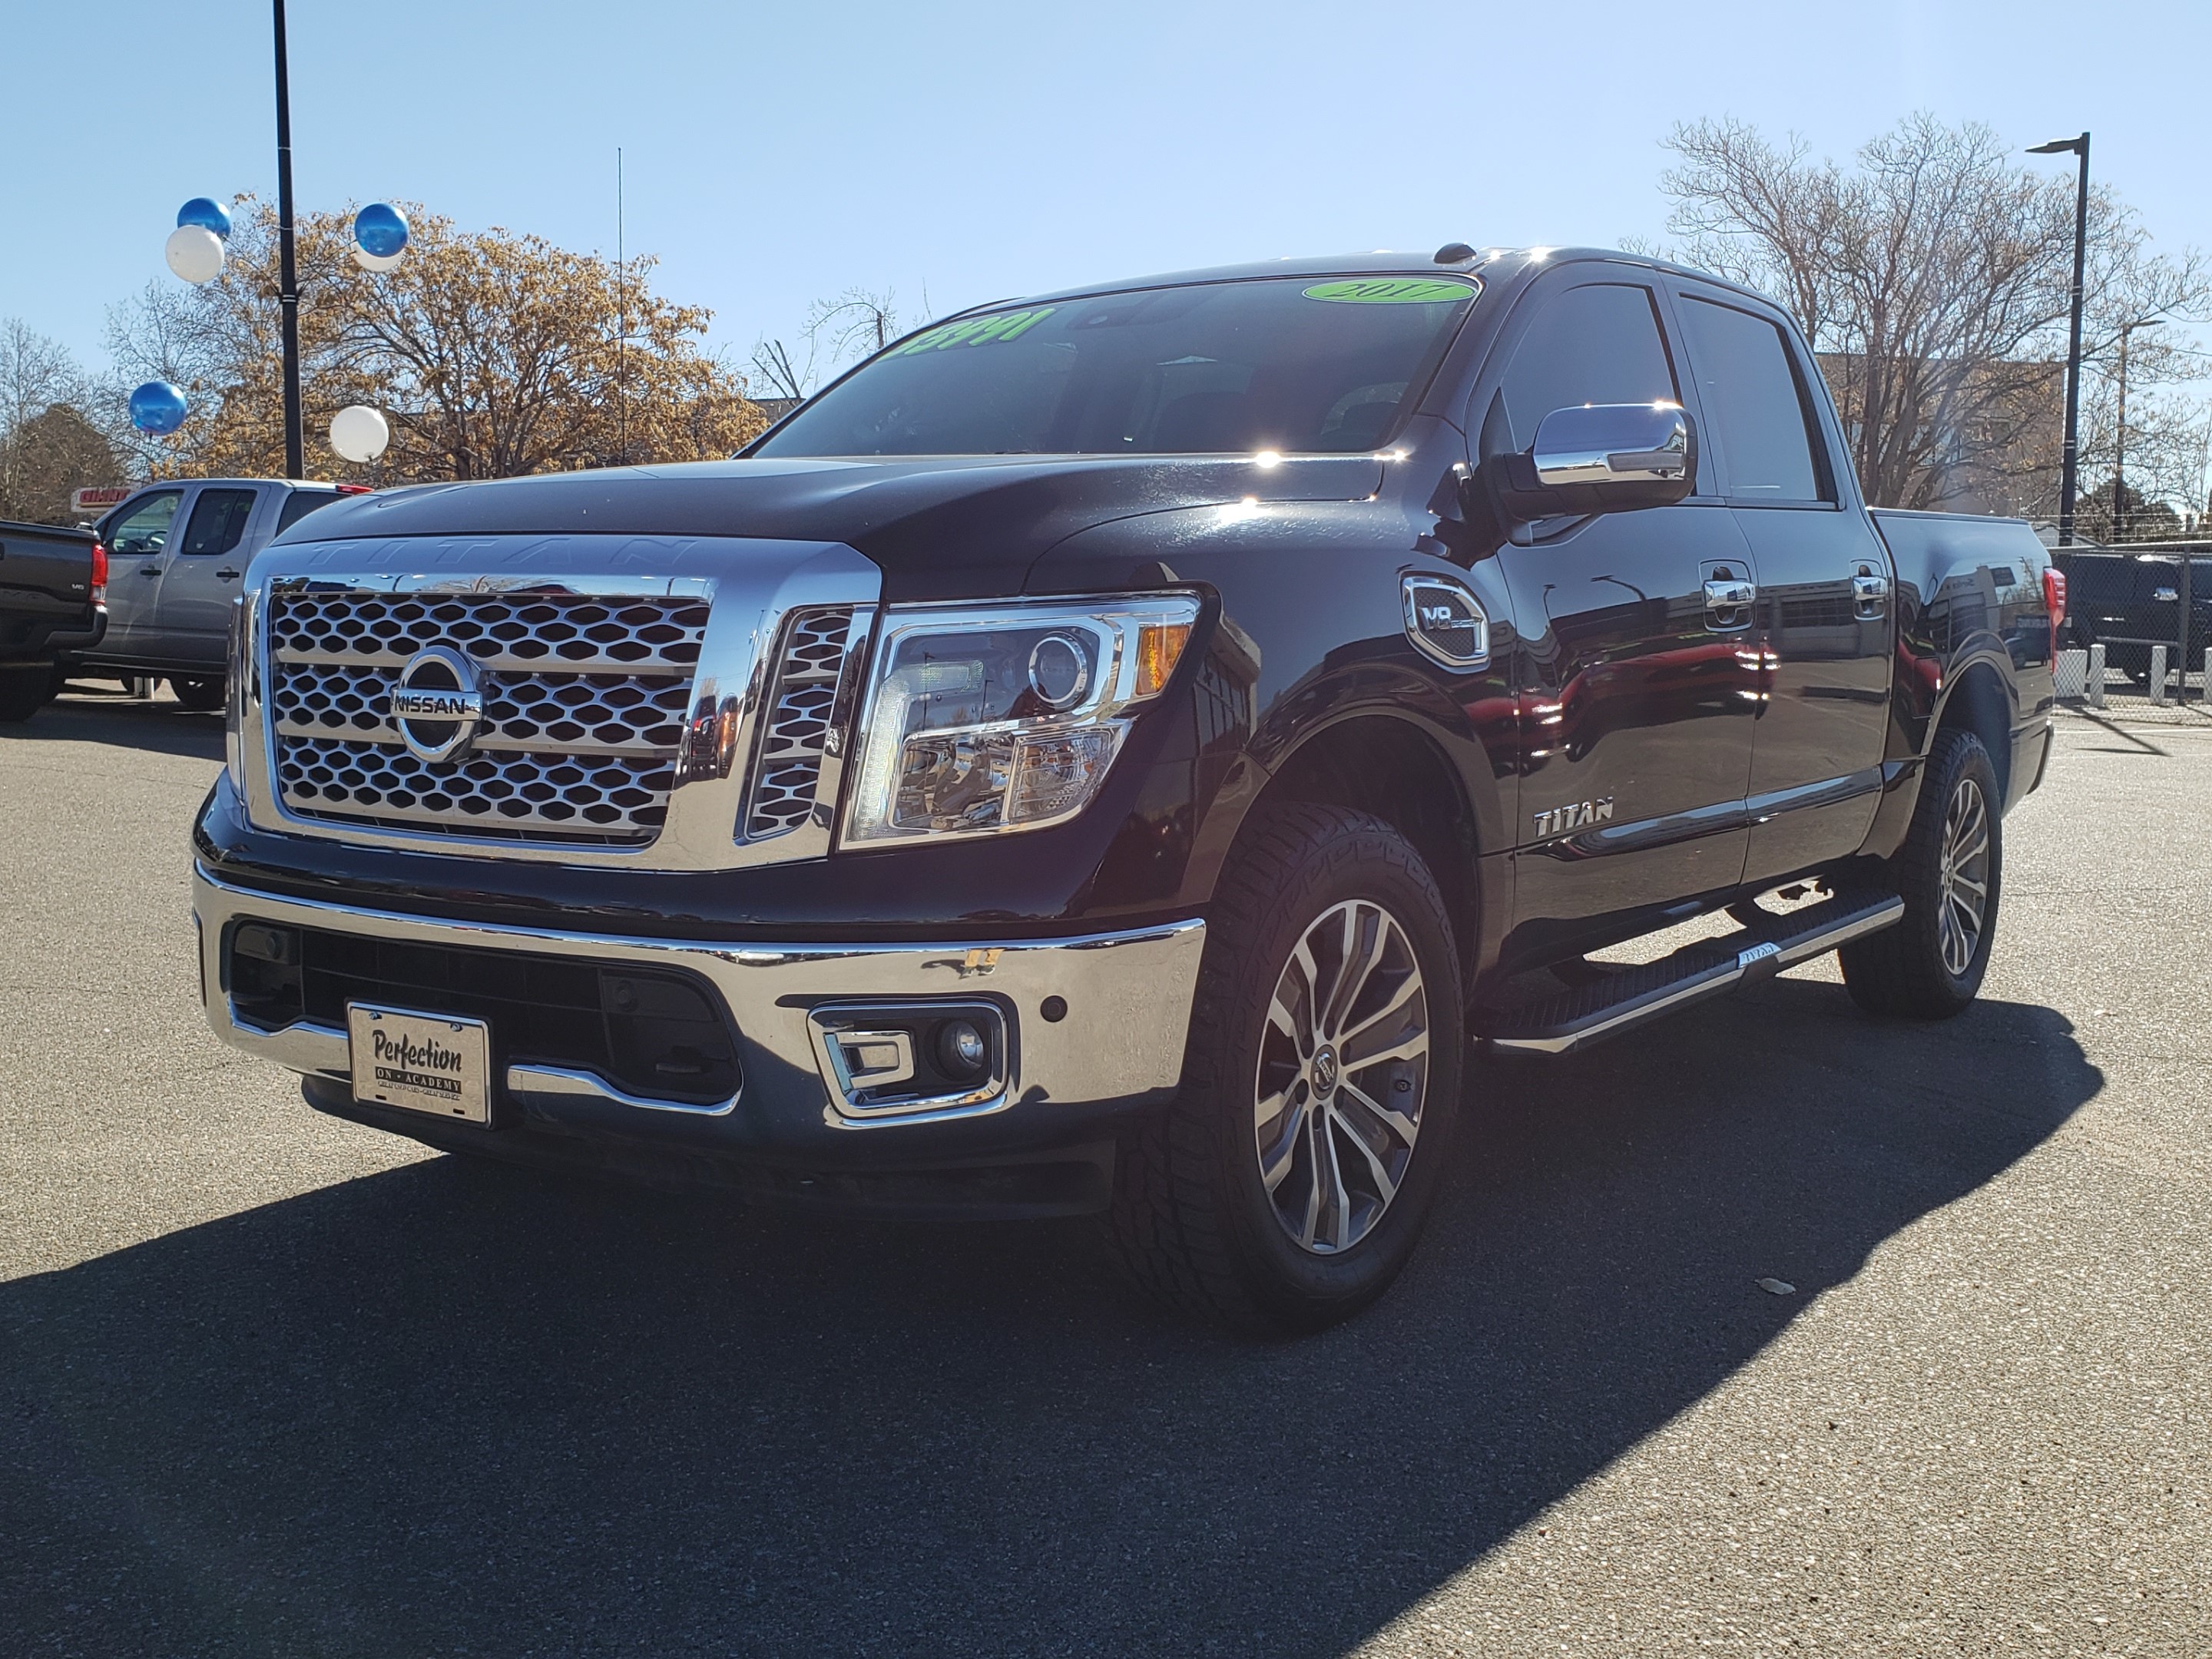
x,y
437,704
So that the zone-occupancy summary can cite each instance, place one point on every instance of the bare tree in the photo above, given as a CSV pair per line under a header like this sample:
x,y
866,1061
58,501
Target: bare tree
x,y
856,324
1932,279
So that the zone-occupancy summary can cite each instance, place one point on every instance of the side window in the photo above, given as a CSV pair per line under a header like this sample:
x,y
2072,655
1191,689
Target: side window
x,y
1596,345
218,520
300,503
144,526
1750,393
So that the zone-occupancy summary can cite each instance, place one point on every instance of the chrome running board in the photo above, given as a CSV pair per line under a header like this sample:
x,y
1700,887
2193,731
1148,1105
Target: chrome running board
x,y
1585,1014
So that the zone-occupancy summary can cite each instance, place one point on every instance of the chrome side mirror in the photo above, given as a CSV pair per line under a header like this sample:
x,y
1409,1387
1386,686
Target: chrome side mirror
x,y
1601,458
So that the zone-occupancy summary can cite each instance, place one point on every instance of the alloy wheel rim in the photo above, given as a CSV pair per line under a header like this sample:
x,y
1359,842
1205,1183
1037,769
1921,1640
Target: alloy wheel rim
x,y
1963,878
1342,1075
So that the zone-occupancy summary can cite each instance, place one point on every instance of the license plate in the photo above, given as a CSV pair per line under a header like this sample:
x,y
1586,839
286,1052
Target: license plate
x,y
424,1062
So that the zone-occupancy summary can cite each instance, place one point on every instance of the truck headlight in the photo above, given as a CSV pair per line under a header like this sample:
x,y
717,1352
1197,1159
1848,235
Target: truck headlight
x,y
987,719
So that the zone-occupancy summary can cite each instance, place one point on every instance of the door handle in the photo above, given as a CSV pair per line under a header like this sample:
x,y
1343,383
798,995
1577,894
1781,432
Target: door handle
x,y
1869,593
226,576
149,569
1728,603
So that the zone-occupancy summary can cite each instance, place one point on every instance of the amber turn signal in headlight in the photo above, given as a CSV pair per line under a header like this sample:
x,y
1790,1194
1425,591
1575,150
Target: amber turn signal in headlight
x,y
1159,648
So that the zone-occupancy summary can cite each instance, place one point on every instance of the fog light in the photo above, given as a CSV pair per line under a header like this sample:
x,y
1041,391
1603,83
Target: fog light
x,y
961,1050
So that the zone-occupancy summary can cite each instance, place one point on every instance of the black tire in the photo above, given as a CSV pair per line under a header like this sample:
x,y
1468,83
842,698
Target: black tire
x,y
201,694
22,692
1925,967
1195,1219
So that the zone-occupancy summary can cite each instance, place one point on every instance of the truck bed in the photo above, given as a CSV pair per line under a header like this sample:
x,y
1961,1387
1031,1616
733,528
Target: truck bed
x,y
45,591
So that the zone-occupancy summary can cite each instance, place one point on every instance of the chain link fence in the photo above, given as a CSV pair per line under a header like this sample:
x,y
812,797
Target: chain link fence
x,y
2139,625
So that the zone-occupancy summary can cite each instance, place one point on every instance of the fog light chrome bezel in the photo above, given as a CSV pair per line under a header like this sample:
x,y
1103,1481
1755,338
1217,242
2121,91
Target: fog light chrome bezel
x,y
871,1057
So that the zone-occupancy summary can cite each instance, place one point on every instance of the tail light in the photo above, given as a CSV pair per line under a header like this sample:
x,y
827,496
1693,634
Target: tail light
x,y
355,490
2054,600
99,572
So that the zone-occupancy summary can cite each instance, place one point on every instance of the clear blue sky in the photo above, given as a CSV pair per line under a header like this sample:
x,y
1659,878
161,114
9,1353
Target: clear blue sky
x,y
778,153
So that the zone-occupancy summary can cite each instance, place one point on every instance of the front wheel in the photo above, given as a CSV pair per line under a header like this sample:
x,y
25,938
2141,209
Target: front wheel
x,y
1286,1187
201,694
1949,873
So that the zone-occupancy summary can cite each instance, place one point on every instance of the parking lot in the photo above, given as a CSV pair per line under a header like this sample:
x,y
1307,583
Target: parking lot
x,y
272,1384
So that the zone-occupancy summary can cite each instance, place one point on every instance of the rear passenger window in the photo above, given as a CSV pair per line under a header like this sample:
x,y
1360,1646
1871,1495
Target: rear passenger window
x,y
218,520
301,503
1596,345
1751,394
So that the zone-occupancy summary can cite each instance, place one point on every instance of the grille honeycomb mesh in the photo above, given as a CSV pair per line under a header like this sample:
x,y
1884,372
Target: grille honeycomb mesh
x,y
585,699
604,713
527,632
604,798
797,730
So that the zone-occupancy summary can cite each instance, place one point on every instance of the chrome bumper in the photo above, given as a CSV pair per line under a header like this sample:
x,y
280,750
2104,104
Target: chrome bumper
x,y
1119,1043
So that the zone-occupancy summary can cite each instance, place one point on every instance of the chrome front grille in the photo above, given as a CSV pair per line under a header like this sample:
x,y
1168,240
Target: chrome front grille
x,y
585,704
802,713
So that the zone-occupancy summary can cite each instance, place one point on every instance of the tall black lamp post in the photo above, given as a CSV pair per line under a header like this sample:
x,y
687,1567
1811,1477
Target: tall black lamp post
x,y
2070,459
288,281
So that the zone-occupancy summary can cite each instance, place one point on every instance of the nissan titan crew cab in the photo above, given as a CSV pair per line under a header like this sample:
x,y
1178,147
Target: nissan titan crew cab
x,y
1120,752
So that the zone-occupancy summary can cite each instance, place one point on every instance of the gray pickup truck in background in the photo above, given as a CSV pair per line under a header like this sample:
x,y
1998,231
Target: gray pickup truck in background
x,y
177,552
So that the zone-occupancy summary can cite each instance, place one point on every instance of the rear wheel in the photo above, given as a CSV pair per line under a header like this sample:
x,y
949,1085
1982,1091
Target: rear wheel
x,y
23,692
201,694
1286,1187
1949,873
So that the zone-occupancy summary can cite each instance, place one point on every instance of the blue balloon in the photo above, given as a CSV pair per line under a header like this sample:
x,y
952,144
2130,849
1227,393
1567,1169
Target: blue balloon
x,y
157,407
208,213
381,229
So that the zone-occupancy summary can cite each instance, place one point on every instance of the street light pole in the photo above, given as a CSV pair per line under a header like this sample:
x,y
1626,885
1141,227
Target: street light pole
x,y
288,281
2069,467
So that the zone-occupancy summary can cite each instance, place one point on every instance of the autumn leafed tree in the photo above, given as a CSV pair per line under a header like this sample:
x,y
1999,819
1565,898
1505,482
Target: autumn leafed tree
x,y
1932,277
490,354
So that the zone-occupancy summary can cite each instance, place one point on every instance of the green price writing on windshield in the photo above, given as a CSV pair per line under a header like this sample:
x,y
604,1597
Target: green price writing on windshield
x,y
974,331
1390,291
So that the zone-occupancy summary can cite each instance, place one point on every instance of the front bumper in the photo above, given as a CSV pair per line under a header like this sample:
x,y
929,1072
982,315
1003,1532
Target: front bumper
x,y
1123,1001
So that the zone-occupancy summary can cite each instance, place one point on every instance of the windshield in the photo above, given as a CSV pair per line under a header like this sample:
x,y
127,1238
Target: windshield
x,y
1287,364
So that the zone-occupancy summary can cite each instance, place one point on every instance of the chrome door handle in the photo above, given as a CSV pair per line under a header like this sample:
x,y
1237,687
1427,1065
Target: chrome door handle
x,y
1869,593
1728,603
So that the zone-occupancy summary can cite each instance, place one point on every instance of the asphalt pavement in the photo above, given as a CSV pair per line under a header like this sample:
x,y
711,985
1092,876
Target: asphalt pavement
x,y
274,1385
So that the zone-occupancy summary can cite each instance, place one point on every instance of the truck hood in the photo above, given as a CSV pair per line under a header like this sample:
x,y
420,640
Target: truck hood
x,y
939,527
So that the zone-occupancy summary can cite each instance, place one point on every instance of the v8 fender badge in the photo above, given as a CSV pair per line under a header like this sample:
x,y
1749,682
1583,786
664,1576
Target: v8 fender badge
x,y
1445,622
1560,819
437,704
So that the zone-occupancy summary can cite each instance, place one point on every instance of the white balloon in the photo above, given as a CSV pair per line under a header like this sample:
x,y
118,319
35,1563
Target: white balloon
x,y
194,252
359,432
368,261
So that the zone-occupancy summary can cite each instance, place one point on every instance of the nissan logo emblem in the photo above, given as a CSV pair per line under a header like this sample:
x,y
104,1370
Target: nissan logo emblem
x,y
437,704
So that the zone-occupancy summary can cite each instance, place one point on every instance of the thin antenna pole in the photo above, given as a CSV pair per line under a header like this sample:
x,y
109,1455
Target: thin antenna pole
x,y
621,303
288,281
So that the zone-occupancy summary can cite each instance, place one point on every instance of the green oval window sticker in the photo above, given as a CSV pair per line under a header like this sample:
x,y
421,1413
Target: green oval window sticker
x,y
976,331
1391,291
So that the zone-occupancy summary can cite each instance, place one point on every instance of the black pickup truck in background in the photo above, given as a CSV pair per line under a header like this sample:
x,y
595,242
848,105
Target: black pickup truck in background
x,y
2130,601
1117,751
53,600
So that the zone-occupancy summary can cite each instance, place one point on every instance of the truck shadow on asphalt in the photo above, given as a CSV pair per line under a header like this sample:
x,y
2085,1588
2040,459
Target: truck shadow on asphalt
x,y
447,1407
161,728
